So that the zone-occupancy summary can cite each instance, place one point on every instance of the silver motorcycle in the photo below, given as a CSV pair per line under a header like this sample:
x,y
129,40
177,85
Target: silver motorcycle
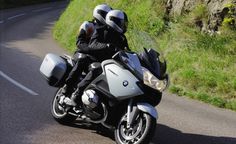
x,y
122,97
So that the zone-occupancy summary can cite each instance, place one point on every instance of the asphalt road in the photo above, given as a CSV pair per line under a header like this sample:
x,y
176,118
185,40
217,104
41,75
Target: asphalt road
x,y
25,97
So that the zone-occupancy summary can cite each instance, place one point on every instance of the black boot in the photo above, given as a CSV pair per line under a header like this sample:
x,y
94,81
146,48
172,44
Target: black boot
x,y
70,101
67,90
74,99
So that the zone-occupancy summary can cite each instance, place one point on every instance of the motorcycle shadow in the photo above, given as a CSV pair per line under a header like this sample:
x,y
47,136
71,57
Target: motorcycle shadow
x,y
96,128
168,135
163,135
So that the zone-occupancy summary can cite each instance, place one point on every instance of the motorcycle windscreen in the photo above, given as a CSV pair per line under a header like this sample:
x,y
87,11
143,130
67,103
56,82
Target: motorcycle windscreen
x,y
152,60
131,61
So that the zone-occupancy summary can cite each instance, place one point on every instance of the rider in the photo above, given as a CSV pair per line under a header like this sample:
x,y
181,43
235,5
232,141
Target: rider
x,y
105,42
81,54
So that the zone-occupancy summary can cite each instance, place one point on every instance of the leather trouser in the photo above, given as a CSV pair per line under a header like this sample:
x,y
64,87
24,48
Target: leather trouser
x,y
82,61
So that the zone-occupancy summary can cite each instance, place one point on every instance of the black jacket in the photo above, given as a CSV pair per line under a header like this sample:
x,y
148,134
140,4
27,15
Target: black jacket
x,y
82,41
105,42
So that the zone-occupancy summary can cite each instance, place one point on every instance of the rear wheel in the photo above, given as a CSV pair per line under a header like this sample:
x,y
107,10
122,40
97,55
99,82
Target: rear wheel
x,y
59,112
140,132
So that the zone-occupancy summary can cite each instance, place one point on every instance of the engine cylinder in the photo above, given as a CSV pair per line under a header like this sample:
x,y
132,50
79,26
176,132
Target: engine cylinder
x,y
90,98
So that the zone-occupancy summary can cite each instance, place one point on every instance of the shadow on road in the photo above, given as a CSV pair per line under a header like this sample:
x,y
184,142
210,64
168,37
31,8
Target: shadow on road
x,y
98,129
164,135
168,135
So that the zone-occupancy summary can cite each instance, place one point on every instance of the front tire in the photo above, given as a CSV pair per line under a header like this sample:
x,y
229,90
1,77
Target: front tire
x,y
141,132
58,112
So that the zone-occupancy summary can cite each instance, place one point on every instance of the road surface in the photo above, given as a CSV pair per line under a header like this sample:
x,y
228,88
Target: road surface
x,y
25,97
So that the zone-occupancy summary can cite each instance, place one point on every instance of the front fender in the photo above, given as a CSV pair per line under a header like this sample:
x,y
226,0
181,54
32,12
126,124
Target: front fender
x,y
145,107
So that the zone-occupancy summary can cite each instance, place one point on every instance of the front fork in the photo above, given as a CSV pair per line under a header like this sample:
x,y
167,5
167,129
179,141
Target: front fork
x,y
134,109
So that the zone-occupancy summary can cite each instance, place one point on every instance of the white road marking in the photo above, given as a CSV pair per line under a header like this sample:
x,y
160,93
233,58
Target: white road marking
x,y
22,14
12,17
42,9
18,84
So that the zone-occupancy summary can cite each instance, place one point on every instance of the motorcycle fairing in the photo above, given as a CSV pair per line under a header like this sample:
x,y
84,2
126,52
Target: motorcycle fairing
x,y
146,107
121,82
116,82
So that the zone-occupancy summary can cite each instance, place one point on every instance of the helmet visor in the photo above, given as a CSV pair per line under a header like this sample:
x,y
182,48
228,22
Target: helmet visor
x,y
121,23
102,13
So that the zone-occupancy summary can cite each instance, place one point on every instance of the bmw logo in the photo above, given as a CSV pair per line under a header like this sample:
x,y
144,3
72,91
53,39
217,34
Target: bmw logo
x,y
125,83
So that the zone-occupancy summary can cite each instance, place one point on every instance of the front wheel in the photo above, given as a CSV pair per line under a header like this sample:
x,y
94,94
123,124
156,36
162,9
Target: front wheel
x,y
59,113
140,132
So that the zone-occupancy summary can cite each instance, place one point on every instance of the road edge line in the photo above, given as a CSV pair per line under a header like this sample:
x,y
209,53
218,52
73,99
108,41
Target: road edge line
x,y
18,84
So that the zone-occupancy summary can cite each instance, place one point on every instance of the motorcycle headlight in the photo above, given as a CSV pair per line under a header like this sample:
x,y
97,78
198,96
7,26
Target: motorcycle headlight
x,y
150,80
